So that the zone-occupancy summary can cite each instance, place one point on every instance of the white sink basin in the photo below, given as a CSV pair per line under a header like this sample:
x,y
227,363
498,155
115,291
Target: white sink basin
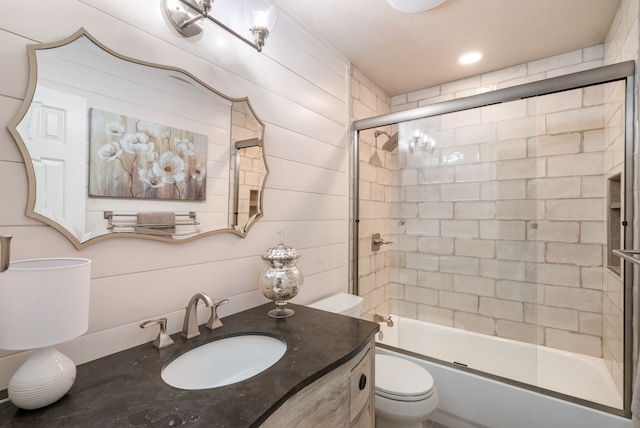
x,y
223,362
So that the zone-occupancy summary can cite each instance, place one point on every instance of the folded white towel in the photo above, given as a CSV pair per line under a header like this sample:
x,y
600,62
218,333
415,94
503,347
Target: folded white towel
x,y
161,223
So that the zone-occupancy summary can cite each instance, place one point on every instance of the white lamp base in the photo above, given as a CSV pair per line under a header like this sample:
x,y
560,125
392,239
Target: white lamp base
x,y
42,380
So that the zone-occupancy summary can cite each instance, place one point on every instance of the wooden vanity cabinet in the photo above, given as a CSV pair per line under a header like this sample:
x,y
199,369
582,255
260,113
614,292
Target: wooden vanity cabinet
x,y
343,397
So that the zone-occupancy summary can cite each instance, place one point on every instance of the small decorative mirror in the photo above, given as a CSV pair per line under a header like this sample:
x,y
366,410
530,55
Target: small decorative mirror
x,y
117,147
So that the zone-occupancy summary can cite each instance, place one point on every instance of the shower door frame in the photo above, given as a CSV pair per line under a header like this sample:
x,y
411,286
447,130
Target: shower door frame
x,y
606,74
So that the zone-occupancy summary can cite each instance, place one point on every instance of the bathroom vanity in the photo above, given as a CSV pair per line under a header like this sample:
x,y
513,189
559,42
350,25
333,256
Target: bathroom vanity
x,y
325,378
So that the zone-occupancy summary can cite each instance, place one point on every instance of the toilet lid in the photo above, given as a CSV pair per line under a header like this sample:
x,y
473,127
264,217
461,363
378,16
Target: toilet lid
x,y
399,379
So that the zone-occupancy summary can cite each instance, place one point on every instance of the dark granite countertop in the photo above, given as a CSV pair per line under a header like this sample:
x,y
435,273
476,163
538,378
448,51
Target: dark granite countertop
x,y
125,389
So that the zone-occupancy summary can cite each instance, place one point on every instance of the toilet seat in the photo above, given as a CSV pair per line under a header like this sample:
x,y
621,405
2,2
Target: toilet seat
x,y
401,380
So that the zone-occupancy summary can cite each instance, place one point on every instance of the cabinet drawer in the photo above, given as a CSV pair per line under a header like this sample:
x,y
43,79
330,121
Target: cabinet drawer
x,y
361,384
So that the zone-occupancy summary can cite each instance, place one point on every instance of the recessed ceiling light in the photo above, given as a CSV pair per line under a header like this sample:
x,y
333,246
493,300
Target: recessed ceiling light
x,y
470,58
414,5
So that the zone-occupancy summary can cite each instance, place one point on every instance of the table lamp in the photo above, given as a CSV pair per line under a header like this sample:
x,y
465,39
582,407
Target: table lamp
x,y
43,302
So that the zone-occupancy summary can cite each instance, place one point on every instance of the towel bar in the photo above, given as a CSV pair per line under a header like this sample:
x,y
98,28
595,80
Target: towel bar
x,y
628,255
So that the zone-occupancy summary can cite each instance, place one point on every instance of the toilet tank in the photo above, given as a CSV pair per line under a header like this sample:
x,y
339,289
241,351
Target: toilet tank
x,y
343,303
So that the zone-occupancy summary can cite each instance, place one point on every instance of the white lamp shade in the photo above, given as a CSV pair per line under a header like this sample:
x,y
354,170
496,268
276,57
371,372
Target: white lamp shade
x,y
43,302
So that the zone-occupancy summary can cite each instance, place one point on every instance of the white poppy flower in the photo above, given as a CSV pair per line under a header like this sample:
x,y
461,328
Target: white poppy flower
x,y
169,168
114,128
149,178
137,144
149,157
148,127
184,147
198,172
109,151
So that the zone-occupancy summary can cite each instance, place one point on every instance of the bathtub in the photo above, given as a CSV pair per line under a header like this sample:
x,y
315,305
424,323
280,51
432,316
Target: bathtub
x,y
469,400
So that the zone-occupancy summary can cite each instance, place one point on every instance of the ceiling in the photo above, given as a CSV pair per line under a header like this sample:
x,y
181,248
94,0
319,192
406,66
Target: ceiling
x,y
404,52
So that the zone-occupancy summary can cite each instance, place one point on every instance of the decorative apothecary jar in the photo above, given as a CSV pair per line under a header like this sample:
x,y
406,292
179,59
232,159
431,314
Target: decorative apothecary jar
x,y
280,280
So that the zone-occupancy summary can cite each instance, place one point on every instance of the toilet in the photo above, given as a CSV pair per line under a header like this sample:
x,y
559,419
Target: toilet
x,y
343,303
405,393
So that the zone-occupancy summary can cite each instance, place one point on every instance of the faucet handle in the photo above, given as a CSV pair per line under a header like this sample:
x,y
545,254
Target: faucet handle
x,y
163,340
382,318
214,320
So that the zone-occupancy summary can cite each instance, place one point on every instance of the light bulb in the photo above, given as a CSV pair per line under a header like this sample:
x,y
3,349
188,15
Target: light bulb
x,y
261,17
261,13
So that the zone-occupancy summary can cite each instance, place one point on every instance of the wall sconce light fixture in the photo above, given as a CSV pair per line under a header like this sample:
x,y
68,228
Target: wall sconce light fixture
x,y
422,141
188,16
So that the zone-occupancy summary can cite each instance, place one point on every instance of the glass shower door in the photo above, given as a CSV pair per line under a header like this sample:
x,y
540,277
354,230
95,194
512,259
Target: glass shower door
x,y
503,219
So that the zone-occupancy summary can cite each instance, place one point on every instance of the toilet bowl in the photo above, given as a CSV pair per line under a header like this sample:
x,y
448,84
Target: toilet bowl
x,y
343,303
405,395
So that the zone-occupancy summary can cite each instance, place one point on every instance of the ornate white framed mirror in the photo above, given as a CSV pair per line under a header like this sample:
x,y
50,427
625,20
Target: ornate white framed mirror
x,y
118,147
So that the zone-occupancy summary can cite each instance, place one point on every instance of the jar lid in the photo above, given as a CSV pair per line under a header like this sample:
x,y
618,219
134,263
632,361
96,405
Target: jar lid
x,y
281,253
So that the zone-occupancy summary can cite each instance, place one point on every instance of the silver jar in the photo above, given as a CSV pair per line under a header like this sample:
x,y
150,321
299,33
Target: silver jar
x,y
280,280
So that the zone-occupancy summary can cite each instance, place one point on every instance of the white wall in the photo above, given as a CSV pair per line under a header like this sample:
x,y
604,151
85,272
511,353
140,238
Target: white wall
x,y
298,86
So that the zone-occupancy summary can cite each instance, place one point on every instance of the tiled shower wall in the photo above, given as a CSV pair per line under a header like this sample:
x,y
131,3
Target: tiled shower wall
x,y
369,100
501,226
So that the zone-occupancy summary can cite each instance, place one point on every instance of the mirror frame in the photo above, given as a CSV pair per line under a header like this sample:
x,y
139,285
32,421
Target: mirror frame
x,y
31,177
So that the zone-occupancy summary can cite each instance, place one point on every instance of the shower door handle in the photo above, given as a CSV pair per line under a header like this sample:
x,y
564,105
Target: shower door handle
x,y
377,242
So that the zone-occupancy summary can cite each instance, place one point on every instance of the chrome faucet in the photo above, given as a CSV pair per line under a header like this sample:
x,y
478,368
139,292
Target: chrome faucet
x,y
190,324
163,340
214,319
387,319
377,242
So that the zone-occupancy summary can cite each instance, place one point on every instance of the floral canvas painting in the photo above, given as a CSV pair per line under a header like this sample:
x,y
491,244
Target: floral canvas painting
x,y
132,158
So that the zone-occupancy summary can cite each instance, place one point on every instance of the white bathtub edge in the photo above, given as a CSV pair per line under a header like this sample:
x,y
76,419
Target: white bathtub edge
x,y
470,401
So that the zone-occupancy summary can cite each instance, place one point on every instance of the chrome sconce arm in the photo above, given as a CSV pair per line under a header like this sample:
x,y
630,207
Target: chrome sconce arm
x,y
187,17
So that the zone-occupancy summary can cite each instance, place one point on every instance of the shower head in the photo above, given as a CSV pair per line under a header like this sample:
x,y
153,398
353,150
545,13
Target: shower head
x,y
391,143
